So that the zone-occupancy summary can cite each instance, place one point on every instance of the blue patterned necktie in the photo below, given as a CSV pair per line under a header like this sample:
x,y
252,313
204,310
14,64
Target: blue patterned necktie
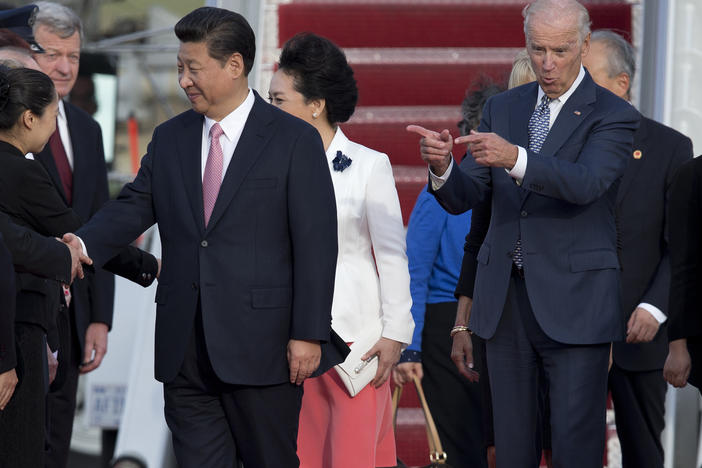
x,y
538,130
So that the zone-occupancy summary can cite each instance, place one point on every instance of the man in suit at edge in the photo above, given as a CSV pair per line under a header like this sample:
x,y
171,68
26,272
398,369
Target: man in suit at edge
x,y
547,288
75,160
636,377
245,292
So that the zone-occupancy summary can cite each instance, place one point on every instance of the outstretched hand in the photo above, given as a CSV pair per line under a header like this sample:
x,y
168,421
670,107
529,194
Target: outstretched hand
x,y
490,149
435,148
78,258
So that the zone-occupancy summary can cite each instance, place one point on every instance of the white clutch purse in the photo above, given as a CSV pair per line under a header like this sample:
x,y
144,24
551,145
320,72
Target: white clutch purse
x,y
354,372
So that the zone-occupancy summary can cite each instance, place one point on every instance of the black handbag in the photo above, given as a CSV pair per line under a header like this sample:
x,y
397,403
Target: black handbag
x,y
437,456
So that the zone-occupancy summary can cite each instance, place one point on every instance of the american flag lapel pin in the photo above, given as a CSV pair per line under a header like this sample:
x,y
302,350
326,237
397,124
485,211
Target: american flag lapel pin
x,y
638,154
576,112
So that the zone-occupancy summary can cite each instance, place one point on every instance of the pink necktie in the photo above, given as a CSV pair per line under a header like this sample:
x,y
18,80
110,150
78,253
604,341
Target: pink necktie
x,y
212,179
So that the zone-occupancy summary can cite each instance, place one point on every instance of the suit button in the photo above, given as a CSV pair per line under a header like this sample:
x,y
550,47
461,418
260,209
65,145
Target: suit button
x,y
143,276
203,243
524,214
194,285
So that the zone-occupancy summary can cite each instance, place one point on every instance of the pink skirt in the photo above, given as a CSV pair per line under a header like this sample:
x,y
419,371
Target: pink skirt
x,y
337,431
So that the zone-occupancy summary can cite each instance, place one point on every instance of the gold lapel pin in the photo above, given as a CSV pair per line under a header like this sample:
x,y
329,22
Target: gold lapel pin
x,y
576,112
637,154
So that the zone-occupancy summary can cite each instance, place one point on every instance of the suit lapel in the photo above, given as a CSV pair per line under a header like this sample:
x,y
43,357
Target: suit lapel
x,y
574,112
634,164
251,143
46,158
190,156
81,176
521,110
523,106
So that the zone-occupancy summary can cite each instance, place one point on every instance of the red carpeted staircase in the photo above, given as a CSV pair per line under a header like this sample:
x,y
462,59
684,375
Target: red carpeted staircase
x,y
413,61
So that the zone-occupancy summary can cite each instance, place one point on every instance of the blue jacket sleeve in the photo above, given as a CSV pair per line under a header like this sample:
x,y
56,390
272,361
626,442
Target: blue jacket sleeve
x,y
427,222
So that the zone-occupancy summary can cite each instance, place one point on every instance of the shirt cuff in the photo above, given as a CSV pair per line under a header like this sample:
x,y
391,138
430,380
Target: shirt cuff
x,y
82,246
519,169
410,355
438,181
655,311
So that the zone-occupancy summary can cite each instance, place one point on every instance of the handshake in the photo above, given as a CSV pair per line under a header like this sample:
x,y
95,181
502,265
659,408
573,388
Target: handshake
x,y
133,264
78,257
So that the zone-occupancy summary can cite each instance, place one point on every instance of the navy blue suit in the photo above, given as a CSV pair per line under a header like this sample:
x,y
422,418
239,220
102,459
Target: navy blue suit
x,y
260,274
567,303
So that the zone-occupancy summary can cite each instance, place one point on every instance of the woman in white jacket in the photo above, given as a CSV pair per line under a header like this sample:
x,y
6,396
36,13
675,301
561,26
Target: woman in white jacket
x,y
371,294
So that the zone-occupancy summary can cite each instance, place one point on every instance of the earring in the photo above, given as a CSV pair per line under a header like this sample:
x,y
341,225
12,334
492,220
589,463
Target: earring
x,y
314,114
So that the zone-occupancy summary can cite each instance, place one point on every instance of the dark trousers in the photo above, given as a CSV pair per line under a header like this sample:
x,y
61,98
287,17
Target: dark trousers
x,y
455,402
577,381
639,408
22,420
61,401
213,423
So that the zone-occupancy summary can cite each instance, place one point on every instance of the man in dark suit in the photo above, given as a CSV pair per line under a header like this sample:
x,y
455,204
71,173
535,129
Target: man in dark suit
x,y
684,362
636,376
245,207
547,288
75,160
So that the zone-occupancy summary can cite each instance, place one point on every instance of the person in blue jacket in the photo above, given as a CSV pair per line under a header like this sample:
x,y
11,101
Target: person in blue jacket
x,y
435,242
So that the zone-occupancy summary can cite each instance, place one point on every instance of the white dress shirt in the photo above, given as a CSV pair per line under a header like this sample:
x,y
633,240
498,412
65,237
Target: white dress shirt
x,y
62,124
232,126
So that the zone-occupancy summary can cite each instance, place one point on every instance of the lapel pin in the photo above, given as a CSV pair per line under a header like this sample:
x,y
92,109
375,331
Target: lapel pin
x,y
576,112
637,154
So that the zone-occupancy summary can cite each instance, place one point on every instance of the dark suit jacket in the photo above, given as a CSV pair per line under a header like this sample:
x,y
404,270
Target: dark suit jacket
x,y
262,271
641,217
33,253
8,355
30,252
685,228
93,299
29,197
563,211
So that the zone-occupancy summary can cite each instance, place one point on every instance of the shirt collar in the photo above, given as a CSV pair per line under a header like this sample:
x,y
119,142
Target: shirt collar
x,y
338,143
235,120
564,97
61,110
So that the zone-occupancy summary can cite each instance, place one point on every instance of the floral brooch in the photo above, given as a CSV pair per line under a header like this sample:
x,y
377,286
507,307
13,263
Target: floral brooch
x,y
341,161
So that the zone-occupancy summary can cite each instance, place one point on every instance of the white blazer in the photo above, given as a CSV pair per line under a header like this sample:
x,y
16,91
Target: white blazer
x,y
369,293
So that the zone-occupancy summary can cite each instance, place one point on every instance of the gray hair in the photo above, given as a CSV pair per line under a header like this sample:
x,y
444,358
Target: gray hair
x,y
59,19
559,8
621,57
10,63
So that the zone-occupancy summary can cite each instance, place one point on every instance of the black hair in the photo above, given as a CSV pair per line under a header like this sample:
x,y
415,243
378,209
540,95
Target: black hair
x,y
320,71
224,32
22,89
473,103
